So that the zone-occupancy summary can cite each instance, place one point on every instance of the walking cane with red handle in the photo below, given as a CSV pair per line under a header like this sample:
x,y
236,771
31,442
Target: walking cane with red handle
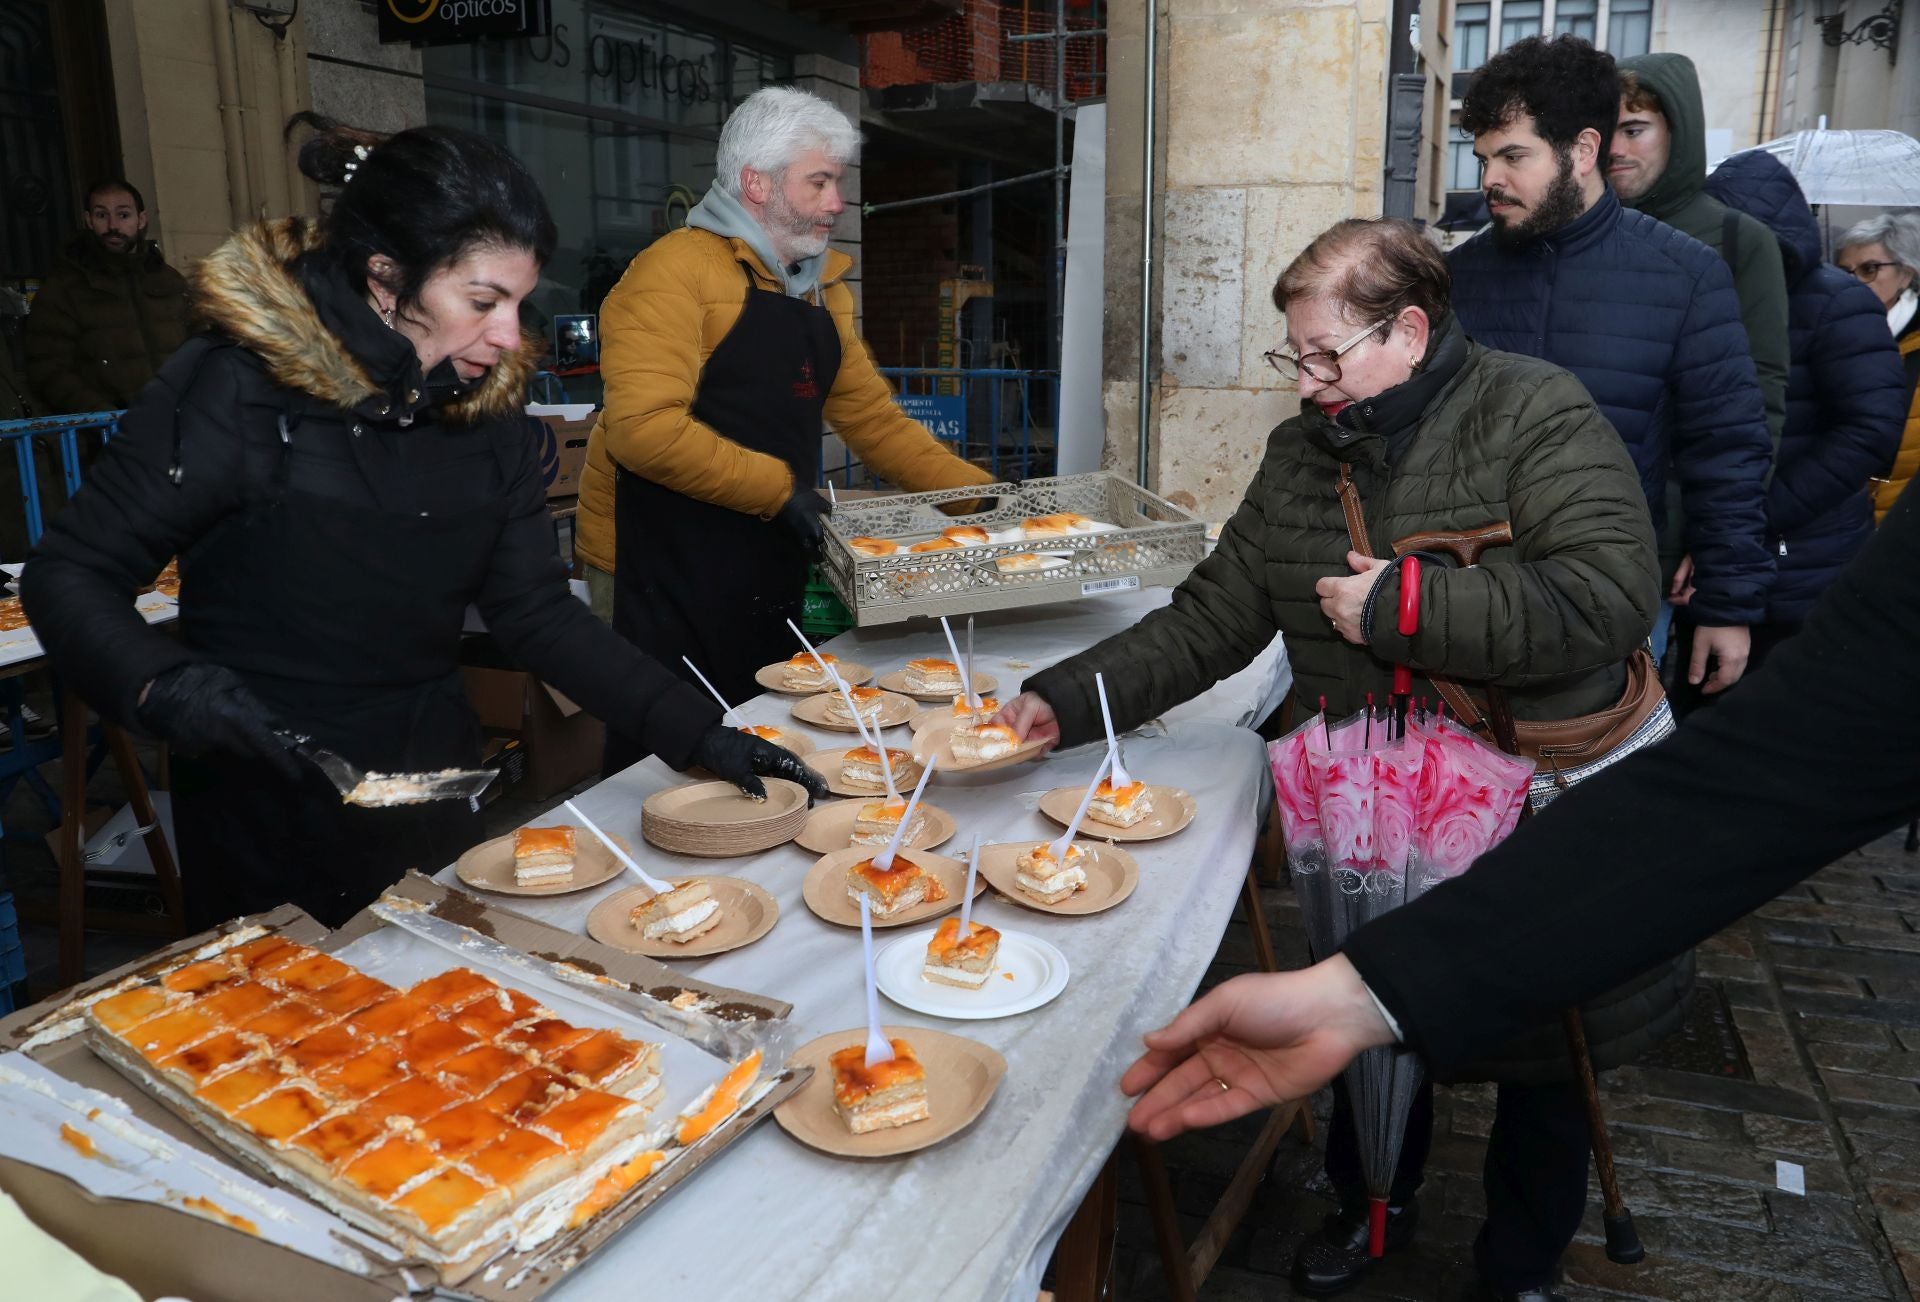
x,y
1623,1241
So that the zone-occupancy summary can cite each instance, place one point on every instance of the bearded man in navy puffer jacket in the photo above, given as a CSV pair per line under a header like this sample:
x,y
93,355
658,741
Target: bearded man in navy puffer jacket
x,y
1645,316
1846,399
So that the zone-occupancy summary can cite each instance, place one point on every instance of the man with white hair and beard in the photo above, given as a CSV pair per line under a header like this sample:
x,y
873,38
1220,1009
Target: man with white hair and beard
x,y
1645,316
726,349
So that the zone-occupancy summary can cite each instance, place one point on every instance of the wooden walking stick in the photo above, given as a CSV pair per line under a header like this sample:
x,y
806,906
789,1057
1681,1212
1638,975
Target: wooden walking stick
x,y
1623,1241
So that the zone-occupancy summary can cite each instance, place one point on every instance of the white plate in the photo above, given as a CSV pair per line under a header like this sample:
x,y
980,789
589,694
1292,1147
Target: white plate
x,y
1039,975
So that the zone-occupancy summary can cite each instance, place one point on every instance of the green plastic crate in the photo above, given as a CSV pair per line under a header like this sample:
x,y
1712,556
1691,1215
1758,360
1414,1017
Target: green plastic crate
x,y
822,613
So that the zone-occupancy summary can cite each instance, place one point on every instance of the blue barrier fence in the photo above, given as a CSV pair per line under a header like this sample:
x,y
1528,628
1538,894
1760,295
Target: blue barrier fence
x,y
1002,419
61,435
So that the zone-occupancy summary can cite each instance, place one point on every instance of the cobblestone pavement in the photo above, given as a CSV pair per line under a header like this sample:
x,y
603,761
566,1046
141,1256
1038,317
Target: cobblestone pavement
x,y
1804,1047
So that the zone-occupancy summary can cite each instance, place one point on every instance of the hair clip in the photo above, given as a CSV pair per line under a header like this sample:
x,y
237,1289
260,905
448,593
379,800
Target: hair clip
x,y
360,153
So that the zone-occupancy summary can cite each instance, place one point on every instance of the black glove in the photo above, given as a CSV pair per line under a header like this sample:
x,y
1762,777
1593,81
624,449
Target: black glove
x,y
200,707
738,756
803,517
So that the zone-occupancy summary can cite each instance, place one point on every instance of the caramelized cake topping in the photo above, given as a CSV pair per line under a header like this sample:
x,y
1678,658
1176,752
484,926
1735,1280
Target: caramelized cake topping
x,y
853,1080
981,939
120,1013
281,1115
431,1043
344,998
313,972
526,1095
599,1058
234,1004
443,1200
326,1048
165,1035
207,1059
236,1089
479,1070
530,841
384,1171
196,978
338,1140
517,1158
545,1038
574,1123
413,1102
462,1130
363,1075
487,1018
889,883
392,1018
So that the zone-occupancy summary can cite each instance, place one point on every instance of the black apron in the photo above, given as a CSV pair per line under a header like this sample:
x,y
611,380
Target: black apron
x,y
717,585
249,840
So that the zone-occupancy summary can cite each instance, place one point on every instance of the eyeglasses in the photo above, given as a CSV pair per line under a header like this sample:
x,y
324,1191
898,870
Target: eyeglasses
x,y
1868,272
1326,371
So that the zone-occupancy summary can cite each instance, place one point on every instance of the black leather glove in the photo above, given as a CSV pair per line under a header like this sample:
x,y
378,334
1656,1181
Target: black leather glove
x,y
200,707
804,517
742,759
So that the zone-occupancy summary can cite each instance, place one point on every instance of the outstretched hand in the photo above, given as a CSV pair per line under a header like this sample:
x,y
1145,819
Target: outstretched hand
x,y
1031,718
1254,1042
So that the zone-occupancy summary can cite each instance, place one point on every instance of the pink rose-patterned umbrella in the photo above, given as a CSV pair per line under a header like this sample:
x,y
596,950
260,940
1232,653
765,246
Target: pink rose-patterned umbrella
x,y
1374,816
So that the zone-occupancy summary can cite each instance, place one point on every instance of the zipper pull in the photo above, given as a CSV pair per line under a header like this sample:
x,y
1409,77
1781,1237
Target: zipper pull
x,y
1783,546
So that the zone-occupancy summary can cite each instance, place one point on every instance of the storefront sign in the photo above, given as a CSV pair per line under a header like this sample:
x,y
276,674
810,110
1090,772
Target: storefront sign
x,y
944,415
625,64
443,22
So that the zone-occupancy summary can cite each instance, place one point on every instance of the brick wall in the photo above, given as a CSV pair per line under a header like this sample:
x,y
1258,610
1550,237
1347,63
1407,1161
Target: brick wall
x,y
972,45
907,253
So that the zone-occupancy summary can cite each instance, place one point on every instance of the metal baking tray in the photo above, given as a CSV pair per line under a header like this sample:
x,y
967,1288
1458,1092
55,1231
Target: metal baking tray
x,y
1154,542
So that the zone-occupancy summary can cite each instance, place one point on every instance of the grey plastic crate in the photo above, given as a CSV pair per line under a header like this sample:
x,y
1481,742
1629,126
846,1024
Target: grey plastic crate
x,y
1156,543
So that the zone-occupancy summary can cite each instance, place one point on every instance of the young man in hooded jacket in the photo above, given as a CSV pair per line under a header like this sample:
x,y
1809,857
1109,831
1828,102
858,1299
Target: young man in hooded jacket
x,y
1658,166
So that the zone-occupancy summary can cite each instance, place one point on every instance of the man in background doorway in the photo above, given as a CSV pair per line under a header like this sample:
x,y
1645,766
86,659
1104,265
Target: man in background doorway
x,y
108,313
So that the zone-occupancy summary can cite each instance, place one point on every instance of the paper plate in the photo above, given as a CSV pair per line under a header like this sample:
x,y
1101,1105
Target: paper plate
x,y
894,711
825,887
897,682
937,743
796,741
827,764
962,1075
1028,972
717,820
774,677
1111,876
1173,809
1047,561
489,866
746,914
830,827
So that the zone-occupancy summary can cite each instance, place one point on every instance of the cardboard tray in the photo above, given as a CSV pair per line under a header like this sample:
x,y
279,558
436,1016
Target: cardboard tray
x,y
174,1252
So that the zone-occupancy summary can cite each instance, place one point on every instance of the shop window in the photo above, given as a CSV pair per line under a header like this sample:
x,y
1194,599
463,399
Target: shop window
x,y
1576,18
1469,36
1463,169
1519,19
1629,28
618,115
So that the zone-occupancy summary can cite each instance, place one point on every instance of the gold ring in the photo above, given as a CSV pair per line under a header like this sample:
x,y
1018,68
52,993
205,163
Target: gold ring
x,y
1224,1087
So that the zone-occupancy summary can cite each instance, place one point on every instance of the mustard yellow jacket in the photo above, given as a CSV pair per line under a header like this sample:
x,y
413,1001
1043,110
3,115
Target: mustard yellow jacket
x,y
1906,462
676,302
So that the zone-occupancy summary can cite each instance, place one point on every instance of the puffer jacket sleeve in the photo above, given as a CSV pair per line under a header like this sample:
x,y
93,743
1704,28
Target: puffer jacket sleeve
x,y
1586,586
1721,454
1220,618
56,370
1664,849
1761,280
1860,405
650,359
862,412
128,520
530,611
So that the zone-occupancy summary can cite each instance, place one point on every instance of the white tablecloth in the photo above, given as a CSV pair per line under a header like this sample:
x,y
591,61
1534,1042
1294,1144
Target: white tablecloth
x,y
976,1216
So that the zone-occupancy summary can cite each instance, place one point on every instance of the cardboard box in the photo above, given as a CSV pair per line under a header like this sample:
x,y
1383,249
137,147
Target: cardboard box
x,y
162,1251
563,453
562,744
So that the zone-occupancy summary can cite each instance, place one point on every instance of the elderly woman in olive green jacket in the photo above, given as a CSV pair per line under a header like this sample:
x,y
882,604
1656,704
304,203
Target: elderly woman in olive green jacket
x,y
1437,433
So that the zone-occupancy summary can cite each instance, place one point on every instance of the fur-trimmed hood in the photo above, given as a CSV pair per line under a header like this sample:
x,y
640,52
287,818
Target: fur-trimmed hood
x,y
248,291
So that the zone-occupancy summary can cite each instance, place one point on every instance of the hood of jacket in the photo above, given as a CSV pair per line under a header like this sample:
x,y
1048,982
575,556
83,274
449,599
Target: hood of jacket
x,y
330,345
723,214
1672,77
1760,185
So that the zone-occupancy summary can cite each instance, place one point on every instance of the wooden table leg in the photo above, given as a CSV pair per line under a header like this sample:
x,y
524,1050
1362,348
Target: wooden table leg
x,y
146,816
1263,953
1166,1222
1083,1259
73,819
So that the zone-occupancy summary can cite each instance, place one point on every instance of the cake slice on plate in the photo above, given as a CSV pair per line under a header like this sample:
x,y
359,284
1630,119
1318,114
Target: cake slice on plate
x,y
1120,806
887,1094
954,960
678,915
860,767
892,891
543,856
976,743
1050,879
803,673
877,821
871,702
933,675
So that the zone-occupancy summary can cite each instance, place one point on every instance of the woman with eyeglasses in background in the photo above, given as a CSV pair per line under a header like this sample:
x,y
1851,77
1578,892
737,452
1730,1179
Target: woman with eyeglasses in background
x,y
1433,433
1884,253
